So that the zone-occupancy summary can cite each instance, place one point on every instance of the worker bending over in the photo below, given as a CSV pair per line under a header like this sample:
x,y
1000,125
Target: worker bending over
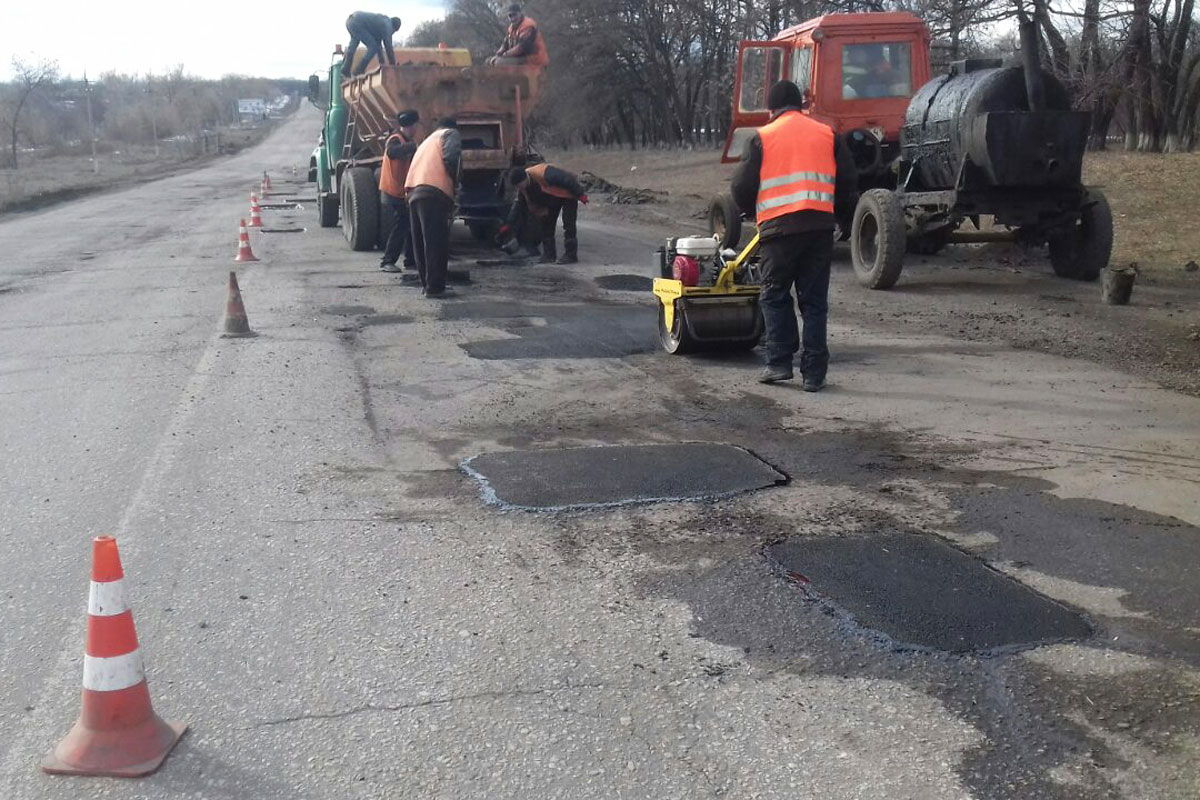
x,y
793,174
373,30
523,43
398,152
431,184
545,192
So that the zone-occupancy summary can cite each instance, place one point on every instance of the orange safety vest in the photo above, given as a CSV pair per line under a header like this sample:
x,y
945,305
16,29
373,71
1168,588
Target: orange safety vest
x,y
395,171
539,57
798,167
427,168
537,174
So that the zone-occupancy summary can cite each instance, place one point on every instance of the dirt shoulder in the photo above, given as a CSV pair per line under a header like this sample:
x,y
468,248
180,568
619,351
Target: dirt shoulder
x,y
992,293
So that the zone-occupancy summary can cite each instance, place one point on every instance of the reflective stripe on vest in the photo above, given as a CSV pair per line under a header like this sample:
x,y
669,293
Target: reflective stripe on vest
x,y
428,168
395,170
539,57
798,167
537,174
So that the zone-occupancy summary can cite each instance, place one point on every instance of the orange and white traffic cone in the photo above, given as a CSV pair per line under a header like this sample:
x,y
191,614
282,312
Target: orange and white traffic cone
x,y
244,252
117,734
255,214
237,325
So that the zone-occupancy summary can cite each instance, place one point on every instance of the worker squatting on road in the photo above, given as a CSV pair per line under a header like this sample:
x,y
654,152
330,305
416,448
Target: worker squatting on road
x,y
796,177
523,43
431,185
375,31
546,192
398,154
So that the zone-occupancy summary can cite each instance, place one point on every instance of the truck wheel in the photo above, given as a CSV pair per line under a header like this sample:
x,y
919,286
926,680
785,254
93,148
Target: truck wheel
x,y
1083,252
878,239
360,208
327,209
483,231
725,219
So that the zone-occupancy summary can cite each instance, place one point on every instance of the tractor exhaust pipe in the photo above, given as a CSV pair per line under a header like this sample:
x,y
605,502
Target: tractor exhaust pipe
x,y
1032,63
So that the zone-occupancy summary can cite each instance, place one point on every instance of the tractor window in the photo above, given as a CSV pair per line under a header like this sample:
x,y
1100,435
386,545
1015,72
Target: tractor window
x,y
877,69
761,67
802,67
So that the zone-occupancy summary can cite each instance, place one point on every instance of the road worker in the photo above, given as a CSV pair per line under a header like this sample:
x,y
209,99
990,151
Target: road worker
x,y
797,179
546,191
431,186
375,31
523,43
398,152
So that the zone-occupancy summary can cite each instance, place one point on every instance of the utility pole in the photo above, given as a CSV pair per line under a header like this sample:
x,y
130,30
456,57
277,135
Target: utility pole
x,y
153,112
87,91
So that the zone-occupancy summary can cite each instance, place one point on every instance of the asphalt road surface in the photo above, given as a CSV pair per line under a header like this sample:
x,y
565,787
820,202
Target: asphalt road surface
x,y
323,594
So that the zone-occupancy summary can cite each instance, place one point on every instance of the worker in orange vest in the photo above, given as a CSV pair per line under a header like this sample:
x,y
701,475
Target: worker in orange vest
x,y
797,178
546,191
431,185
523,42
398,152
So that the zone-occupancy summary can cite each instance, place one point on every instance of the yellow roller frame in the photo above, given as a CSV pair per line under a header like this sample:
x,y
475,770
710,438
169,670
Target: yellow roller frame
x,y
668,290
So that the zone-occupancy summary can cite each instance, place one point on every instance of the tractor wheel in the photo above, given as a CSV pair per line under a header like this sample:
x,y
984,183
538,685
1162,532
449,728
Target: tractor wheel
x,y
483,230
878,239
725,219
1084,251
676,340
327,209
360,208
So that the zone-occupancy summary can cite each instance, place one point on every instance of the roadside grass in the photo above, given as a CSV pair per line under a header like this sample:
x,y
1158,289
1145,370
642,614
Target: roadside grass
x,y
1155,198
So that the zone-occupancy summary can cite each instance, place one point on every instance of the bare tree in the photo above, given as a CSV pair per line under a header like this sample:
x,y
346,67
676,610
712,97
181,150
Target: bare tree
x,y
31,76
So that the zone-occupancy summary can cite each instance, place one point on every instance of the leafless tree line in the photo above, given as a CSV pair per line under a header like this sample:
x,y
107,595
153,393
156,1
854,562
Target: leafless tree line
x,y
648,72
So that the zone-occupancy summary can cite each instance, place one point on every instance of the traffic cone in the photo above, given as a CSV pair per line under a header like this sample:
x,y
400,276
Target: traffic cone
x,y
118,734
266,182
244,252
255,214
237,326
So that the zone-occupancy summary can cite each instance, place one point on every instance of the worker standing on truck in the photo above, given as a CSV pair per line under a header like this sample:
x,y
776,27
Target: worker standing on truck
x,y
523,42
431,186
373,30
794,176
398,154
546,192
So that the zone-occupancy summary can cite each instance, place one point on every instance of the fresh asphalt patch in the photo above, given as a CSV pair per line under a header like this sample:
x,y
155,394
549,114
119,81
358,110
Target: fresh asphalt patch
x,y
625,283
584,477
922,593
570,330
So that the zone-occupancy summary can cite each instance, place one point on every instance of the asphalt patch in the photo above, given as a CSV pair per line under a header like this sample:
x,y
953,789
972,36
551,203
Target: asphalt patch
x,y
569,331
385,319
586,477
625,283
281,230
348,311
918,592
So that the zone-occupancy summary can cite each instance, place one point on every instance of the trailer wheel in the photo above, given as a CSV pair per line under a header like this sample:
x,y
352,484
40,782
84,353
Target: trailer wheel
x,y
676,340
878,239
1082,253
360,208
725,218
327,209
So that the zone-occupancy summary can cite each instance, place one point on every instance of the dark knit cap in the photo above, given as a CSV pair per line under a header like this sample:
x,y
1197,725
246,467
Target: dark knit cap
x,y
514,8
406,118
784,94
517,176
448,122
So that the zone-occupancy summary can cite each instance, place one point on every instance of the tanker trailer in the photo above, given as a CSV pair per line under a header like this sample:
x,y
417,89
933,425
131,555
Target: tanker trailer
x,y
995,139
489,103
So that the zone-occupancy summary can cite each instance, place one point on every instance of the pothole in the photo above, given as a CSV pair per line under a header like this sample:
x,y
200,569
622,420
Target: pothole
x,y
625,283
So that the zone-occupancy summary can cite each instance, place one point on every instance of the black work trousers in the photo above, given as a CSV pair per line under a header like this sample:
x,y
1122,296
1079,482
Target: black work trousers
x,y
569,209
799,260
400,237
430,217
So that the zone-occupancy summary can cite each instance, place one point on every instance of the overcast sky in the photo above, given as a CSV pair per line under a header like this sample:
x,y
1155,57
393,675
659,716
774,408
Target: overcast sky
x,y
210,38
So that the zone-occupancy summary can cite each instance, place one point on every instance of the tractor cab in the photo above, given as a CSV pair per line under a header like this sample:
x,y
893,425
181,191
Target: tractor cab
x,y
858,71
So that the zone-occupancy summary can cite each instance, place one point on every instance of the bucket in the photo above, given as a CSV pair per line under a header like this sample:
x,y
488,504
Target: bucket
x,y
1117,285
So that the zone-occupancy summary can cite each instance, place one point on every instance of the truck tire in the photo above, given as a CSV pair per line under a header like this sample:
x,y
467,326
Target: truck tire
x,y
327,209
360,208
725,218
1082,253
878,239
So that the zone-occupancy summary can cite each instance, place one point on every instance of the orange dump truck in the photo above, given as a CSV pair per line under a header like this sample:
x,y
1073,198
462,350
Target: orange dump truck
x,y
490,104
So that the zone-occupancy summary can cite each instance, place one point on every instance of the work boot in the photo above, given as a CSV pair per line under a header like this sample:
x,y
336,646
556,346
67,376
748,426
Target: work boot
x,y
388,266
773,373
813,384
438,294
549,252
570,252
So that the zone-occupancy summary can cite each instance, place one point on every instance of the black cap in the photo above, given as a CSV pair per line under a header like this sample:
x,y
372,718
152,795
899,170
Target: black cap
x,y
406,118
395,23
517,176
514,8
784,94
448,122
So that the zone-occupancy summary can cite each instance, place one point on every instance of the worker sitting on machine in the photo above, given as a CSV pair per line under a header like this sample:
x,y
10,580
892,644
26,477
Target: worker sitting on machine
x,y
523,43
375,31
546,191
